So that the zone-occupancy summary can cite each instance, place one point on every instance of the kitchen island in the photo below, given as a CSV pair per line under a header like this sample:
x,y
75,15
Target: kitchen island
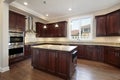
x,y
59,60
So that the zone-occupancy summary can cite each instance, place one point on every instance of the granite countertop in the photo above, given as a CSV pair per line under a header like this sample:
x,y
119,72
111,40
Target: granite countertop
x,y
76,43
56,47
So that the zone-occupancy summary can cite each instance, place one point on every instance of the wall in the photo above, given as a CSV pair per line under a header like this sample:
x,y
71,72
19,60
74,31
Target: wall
x,y
4,36
32,38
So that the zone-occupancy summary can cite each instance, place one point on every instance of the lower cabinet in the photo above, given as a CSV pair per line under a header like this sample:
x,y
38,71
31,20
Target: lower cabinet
x,y
107,54
27,51
99,50
91,52
113,56
51,61
81,51
60,63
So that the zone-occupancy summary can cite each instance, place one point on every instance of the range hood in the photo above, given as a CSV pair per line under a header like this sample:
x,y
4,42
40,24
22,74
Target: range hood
x,y
30,25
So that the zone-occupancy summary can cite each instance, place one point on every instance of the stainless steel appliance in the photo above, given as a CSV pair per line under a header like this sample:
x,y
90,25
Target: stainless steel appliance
x,y
16,44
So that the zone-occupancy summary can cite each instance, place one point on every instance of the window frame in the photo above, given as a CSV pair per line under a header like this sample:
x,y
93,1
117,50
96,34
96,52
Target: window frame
x,y
92,31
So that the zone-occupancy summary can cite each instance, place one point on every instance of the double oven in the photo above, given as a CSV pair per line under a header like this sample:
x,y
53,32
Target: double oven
x,y
16,44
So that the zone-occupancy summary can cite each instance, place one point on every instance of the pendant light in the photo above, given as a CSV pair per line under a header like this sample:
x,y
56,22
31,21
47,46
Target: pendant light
x,y
44,26
44,2
56,25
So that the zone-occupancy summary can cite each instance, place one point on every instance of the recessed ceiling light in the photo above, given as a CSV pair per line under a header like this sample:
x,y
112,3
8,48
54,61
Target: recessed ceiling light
x,y
70,9
47,15
25,3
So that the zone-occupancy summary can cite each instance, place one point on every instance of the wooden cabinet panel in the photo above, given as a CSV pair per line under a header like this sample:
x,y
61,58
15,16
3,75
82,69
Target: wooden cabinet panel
x,y
81,51
27,51
12,20
51,30
62,64
109,24
42,59
20,22
113,23
99,50
39,29
90,53
16,21
35,57
113,56
51,61
62,29
101,25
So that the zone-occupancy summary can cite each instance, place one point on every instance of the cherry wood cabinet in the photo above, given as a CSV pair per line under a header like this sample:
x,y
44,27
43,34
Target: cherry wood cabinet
x,y
39,29
51,30
109,24
113,56
99,50
16,21
113,23
81,51
60,63
91,52
101,25
27,51
51,61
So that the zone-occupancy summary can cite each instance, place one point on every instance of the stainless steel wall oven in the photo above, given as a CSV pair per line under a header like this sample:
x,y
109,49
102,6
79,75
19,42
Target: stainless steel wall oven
x,y
16,44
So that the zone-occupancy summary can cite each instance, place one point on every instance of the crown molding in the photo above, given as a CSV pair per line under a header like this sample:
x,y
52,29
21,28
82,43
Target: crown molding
x,y
28,10
9,1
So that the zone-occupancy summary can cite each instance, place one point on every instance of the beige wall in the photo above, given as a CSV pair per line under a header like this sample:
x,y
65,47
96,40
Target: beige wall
x,y
3,36
32,37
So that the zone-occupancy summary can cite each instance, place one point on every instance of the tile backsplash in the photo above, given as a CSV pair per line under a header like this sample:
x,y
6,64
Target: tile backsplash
x,y
32,38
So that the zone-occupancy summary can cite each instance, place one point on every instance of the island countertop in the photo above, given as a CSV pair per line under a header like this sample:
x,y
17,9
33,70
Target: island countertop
x,y
56,47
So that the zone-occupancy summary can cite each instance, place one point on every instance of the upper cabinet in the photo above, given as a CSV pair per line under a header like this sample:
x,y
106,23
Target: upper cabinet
x,y
109,24
101,25
58,29
16,21
113,23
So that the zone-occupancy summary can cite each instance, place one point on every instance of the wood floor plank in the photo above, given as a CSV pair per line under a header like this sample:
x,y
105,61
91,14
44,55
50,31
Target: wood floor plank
x,y
85,70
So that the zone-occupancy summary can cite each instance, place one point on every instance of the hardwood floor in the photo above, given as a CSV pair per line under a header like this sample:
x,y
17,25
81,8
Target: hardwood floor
x,y
85,70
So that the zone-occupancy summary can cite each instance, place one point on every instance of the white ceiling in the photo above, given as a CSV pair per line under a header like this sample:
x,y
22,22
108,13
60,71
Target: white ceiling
x,y
59,8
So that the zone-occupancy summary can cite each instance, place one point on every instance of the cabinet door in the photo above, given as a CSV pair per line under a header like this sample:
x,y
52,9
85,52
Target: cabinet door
x,y
20,24
27,51
62,30
39,29
51,61
35,58
90,53
12,20
100,53
62,64
113,23
101,25
42,59
113,56
81,51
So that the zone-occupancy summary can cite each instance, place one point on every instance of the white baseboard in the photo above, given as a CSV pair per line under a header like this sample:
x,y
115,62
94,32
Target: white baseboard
x,y
4,69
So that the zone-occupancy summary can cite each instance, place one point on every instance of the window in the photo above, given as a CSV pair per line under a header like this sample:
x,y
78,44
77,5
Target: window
x,y
81,28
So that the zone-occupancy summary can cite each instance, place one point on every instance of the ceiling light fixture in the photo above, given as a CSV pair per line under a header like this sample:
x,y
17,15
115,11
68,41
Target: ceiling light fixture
x,y
25,3
70,9
47,15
